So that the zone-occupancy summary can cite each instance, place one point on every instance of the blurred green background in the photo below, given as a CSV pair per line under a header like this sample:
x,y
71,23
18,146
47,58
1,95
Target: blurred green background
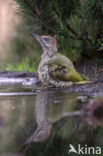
x,y
76,24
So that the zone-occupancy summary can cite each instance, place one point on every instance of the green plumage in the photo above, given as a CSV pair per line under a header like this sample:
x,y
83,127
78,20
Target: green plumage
x,y
54,68
61,68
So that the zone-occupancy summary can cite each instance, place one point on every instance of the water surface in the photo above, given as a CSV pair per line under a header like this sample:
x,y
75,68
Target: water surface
x,y
23,109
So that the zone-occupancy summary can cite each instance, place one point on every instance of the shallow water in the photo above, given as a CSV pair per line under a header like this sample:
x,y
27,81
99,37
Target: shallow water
x,y
22,109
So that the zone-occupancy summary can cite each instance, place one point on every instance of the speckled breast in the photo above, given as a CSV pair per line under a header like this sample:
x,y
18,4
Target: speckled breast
x,y
43,73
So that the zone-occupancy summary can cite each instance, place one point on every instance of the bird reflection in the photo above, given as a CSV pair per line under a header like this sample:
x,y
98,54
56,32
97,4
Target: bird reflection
x,y
49,108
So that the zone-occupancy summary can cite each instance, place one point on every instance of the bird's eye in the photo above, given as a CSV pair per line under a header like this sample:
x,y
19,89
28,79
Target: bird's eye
x,y
46,39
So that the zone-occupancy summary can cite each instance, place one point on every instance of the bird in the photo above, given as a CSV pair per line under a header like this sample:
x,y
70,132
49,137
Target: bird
x,y
54,68
42,133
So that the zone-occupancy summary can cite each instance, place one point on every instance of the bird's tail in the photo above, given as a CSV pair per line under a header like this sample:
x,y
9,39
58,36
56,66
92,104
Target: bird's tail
x,y
74,76
83,82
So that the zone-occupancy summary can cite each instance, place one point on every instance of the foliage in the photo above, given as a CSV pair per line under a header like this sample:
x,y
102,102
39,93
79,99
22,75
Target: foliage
x,y
77,25
24,65
24,52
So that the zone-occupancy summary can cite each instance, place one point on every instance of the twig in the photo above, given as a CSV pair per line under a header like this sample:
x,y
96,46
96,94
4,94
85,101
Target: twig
x,y
75,113
36,12
76,34
70,29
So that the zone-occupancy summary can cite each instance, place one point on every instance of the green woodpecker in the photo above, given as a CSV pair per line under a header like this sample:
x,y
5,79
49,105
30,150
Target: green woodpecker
x,y
54,68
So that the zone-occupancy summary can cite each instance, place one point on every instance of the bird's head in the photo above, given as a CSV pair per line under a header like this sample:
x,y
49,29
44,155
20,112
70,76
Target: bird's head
x,y
47,42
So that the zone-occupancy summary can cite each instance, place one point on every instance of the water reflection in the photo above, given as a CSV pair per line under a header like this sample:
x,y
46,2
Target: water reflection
x,y
41,116
50,107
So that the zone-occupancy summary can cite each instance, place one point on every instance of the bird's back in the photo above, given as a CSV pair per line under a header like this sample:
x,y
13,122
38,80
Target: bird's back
x,y
62,68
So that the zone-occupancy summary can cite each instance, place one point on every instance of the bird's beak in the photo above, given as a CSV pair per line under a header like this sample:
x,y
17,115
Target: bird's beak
x,y
34,35
37,37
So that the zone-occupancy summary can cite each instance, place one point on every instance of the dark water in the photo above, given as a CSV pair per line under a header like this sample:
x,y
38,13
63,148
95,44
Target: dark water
x,y
23,109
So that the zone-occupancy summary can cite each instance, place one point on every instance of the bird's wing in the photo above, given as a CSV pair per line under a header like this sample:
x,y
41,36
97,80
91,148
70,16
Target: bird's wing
x,y
61,68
